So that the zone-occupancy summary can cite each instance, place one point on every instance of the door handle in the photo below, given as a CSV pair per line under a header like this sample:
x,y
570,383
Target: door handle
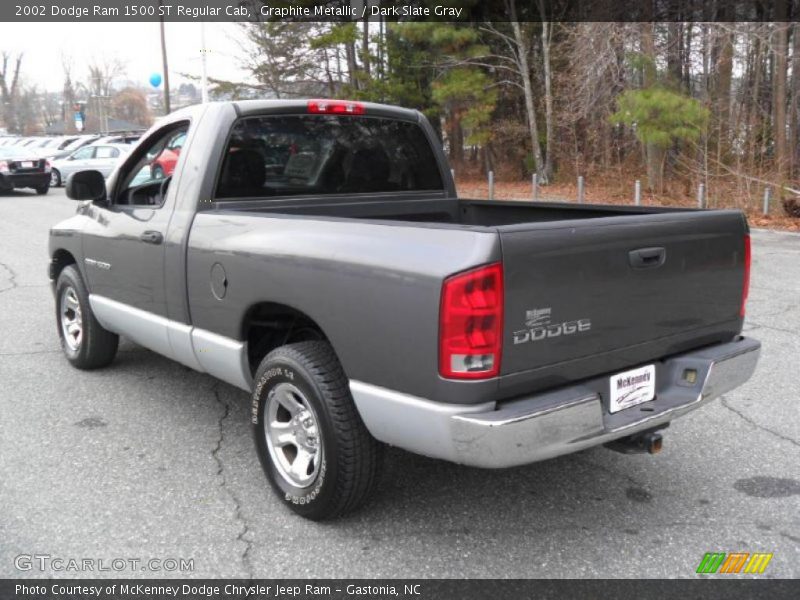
x,y
647,258
152,237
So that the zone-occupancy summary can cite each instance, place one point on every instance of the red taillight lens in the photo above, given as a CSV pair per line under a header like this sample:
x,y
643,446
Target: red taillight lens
x,y
471,324
746,284
335,107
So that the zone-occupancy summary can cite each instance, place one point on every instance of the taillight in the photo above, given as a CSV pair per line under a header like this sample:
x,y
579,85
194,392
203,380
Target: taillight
x,y
746,284
3,166
47,166
335,107
471,324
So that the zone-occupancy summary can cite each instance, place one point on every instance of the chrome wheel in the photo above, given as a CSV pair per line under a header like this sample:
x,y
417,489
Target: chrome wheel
x,y
293,436
55,178
71,319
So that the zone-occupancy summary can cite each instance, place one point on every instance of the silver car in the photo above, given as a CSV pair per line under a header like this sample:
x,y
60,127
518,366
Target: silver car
x,y
100,157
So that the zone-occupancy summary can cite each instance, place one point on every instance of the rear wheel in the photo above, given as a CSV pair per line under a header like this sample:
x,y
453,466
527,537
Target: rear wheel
x,y
314,448
84,341
42,189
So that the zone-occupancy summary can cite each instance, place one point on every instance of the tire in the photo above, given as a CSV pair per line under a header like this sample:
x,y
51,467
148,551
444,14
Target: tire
x,y
55,178
87,346
158,172
42,189
323,423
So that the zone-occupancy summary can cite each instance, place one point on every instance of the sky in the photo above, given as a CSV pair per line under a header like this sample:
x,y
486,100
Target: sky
x,y
137,45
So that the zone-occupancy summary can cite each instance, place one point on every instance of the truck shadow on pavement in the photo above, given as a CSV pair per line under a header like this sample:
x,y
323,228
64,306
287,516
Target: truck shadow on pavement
x,y
418,487
421,505
425,493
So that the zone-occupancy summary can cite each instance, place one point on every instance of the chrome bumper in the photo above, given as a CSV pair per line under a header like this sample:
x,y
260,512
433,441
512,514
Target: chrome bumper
x,y
551,423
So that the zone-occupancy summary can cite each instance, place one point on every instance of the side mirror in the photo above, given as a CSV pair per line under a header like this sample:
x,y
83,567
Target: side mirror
x,y
86,185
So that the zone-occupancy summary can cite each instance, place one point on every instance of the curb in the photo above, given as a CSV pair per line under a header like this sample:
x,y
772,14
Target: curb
x,y
774,231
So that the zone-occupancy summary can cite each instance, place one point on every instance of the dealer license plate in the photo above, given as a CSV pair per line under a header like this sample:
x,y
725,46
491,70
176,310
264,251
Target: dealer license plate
x,y
632,387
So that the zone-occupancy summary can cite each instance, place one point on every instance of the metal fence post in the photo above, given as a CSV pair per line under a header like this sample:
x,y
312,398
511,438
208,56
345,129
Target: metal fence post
x,y
637,193
767,196
535,187
701,195
491,185
580,189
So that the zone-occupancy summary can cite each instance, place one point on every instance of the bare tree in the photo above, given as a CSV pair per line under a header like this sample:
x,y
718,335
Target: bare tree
x,y
780,49
794,115
547,32
10,90
103,74
100,85
517,62
130,105
279,56
68,96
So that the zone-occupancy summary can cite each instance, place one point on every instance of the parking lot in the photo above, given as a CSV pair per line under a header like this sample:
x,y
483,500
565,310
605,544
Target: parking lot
x,y
148,459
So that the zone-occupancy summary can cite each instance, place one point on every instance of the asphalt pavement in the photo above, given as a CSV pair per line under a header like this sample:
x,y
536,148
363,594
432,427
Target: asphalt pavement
x,y
149,460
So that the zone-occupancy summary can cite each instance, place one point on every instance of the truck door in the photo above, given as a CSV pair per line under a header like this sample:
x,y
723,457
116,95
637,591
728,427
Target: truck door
x,y
124,246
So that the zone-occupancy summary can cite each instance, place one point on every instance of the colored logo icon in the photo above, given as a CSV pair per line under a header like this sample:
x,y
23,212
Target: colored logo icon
x,y
734,562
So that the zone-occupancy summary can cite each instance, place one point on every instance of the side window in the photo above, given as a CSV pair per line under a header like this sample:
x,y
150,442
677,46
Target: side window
x,y
106,152
145,181
84,153
176,143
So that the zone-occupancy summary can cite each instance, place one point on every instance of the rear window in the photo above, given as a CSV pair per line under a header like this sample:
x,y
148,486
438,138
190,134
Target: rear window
x,y
323,154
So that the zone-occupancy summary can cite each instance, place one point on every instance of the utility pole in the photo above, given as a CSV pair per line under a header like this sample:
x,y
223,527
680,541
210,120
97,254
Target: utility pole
x,y
204,73
167,108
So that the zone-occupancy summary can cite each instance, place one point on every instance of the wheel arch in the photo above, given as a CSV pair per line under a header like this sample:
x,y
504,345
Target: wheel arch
x,y
60,260
268,325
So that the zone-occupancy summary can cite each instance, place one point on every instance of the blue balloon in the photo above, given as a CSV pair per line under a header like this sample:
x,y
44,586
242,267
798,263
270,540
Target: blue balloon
x,y
155,79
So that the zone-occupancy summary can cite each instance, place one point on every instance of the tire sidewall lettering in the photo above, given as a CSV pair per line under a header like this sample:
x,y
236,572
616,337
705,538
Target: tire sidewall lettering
x,y
271,377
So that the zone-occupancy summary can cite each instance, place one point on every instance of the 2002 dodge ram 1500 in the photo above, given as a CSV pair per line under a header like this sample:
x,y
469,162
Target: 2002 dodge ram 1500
x,y
315,254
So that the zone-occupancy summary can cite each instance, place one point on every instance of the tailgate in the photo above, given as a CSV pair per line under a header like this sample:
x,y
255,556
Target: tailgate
x,y
634,287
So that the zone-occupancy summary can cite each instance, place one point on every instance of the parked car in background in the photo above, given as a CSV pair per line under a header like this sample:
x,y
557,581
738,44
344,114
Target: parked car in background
x,y
120,138
33,142
70,147
55,144
97,157
164,163
22,168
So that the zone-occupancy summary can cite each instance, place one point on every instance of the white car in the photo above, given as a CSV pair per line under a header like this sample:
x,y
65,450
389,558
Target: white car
x,y
97,157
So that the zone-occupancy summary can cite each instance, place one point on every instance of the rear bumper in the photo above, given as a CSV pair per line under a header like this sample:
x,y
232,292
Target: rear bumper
x,y
9,181
561,421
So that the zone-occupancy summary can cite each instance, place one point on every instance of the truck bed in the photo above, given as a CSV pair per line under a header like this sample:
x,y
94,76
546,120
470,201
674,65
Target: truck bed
x,y
567,264
447,211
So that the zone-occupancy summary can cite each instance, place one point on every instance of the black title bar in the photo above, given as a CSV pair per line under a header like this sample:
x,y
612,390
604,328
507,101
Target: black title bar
x,y
394,589
400,10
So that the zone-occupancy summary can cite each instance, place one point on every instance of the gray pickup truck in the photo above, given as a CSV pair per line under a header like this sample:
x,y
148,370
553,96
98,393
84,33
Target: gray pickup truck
x,y
315,254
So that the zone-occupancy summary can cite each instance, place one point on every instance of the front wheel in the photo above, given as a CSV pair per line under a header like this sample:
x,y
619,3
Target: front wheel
x,y
84,341
55,178
314,448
